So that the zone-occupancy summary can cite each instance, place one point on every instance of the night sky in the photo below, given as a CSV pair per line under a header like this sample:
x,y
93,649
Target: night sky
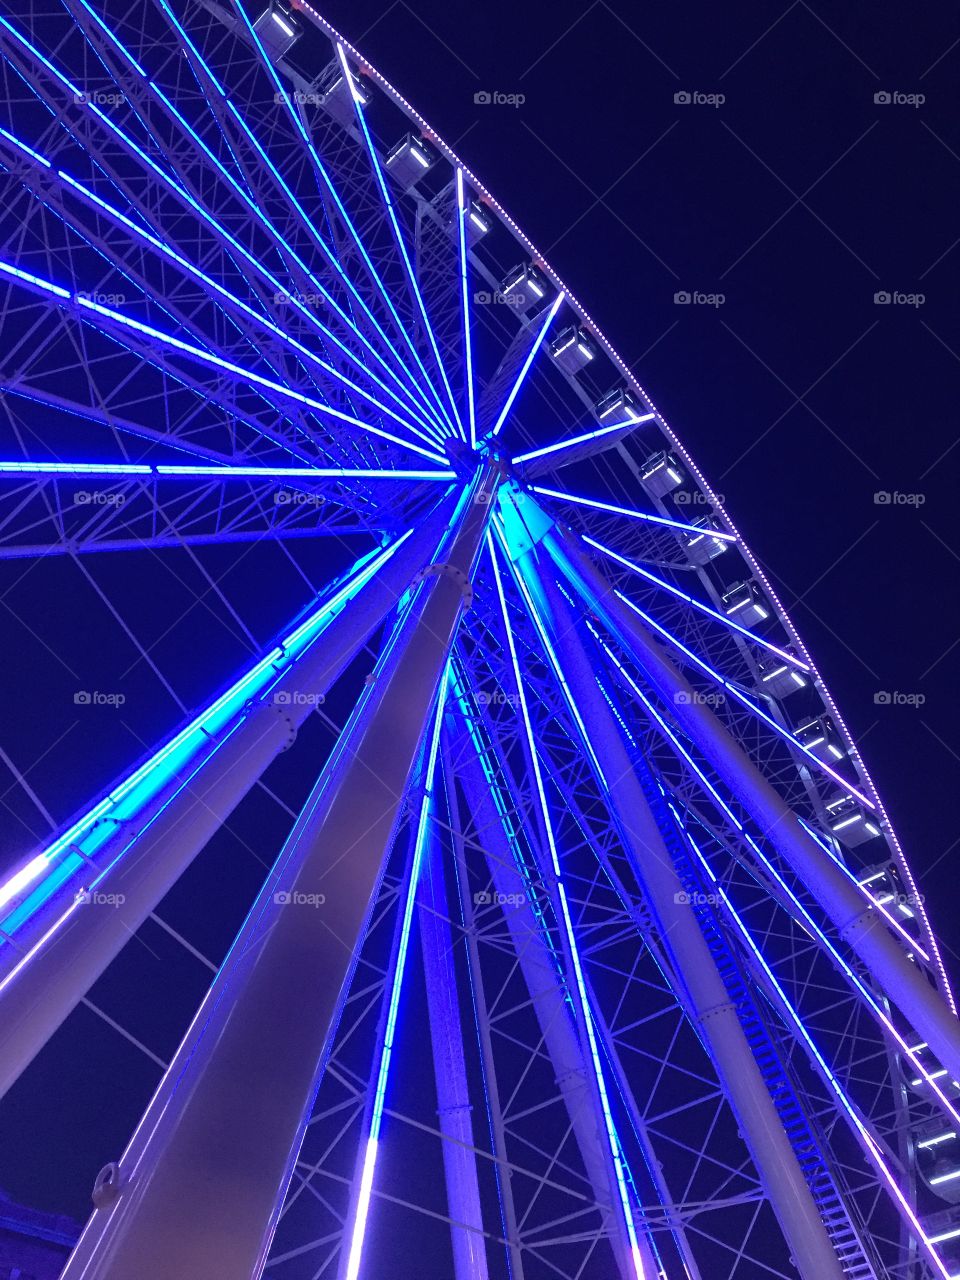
x,y
798,198
794,173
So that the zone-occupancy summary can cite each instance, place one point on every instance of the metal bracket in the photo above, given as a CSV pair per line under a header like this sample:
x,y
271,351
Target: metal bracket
x,y
443,569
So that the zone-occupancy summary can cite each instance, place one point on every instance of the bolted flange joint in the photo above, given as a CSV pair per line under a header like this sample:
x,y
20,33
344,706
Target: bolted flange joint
x,y
443,569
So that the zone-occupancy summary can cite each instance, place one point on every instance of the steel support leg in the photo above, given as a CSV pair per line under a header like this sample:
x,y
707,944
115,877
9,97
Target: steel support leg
x,y
153,848
718,1023
551,1005
508,1210
199,1188
453,1096
361,1188
539,973
855,920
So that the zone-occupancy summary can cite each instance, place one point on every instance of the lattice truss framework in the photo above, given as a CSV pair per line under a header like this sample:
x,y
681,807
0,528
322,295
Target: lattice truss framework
x,y
530,936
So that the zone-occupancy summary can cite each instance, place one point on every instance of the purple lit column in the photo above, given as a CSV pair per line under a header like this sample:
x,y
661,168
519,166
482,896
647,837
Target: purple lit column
x,y
714,1014
453,1096
551,1006
854,918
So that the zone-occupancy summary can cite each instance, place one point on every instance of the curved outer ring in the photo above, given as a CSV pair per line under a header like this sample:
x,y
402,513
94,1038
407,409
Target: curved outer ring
x,y
886,826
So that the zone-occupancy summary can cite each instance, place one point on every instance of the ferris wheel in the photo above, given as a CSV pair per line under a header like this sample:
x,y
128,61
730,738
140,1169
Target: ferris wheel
x,y
580,943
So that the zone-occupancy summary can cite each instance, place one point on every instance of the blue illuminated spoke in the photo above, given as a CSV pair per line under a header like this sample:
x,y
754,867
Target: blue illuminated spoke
x,y
42,162
115,41
425,818
87,305
682,752
305,219
526,366
221,231
624,1176
465,303
70,853
223,293
307,222
548,649
225,471
630,513
694,603
112,421
585,438
401,245
408,380
742,698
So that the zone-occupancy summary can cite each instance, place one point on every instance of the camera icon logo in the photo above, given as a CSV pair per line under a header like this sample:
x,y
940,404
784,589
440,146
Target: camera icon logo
x,y
82,698
882,98
483,97
882,698
483,898
882,498
682,98
682,298
282,898
882,298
